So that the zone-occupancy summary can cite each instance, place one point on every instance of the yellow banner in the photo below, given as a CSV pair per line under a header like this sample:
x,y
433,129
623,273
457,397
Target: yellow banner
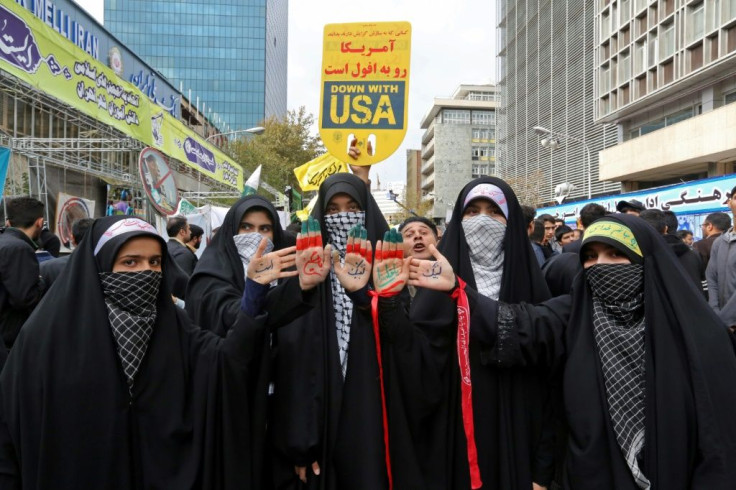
x,y
365,89
37,54
313,173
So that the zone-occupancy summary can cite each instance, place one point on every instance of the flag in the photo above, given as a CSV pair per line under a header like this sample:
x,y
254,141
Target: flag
x,y
304,213
251,185
314,172
4,163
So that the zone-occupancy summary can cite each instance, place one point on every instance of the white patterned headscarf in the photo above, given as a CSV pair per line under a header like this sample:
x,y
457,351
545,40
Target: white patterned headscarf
x,y
247,244
484,236
338,225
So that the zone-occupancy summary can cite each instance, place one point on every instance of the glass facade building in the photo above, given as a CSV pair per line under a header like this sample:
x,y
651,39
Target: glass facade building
x,y
231,54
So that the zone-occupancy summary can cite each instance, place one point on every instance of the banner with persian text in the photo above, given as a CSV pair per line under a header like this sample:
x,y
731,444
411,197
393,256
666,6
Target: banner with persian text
x,y
40,56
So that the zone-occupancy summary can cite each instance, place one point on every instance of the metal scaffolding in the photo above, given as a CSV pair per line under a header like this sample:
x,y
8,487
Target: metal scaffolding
x,y
63,137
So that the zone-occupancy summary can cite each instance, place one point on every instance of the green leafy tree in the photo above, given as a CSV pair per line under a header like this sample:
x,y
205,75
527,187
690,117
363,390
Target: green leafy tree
x,y
287,143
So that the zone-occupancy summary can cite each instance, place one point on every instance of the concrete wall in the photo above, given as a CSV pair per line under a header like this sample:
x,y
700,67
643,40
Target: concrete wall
x,y
686,147
452,164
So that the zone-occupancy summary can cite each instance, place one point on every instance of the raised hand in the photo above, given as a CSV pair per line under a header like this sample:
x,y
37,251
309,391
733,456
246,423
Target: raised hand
x,y
312,261
432,274
391,271
355,272
264,269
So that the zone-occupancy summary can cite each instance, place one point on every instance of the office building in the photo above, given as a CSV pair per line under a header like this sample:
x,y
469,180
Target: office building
x,y
459,144
413,178
666,77
230,55
546,79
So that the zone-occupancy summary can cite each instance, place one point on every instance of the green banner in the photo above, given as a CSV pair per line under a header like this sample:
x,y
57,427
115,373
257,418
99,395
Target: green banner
x,y
37,54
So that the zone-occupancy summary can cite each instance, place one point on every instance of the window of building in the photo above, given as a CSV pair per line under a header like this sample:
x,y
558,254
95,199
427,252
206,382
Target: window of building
x,y
484,134
712,14
483,152
695,26
482,96
653,51
479,170
640,56
731,97
484,117
454,116
662,122
624,68
667,43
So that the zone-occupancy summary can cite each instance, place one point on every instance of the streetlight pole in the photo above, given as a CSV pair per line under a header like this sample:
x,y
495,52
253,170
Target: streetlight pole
x,y
544,131
255,130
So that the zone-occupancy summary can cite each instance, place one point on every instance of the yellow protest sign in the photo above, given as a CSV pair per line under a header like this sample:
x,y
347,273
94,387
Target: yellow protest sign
x,y
313,173
365,89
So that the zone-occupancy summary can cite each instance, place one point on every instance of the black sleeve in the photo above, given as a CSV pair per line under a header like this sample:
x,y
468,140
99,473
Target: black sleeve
x,y
411,368
19,273
518,335
286,302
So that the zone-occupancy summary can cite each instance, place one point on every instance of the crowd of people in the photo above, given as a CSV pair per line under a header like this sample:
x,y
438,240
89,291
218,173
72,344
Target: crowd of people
x,y
512,352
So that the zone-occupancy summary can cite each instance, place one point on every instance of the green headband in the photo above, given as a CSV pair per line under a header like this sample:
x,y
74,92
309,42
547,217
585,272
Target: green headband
x,y
612,231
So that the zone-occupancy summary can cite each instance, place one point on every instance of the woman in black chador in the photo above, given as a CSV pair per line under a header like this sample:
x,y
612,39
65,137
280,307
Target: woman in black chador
x,y
509,421
109,385
648,367
216,288
328,421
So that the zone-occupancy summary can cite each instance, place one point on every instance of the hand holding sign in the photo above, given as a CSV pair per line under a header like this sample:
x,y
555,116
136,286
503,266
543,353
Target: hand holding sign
x,y
432,274
264,269
312,261
355,272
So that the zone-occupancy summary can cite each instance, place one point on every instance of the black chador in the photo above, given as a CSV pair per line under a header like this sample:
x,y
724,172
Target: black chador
x,y
328,406
513,409
83,404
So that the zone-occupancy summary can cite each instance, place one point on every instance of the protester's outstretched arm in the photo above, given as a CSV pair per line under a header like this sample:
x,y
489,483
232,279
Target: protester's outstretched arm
x,y
511,335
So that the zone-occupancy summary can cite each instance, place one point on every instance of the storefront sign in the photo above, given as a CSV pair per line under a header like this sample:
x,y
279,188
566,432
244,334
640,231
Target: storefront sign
x,y
698,197
33,52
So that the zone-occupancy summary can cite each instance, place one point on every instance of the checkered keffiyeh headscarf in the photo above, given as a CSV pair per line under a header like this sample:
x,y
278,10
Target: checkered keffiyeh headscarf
x,y
338,225
247,244
484,236
618,325
131,308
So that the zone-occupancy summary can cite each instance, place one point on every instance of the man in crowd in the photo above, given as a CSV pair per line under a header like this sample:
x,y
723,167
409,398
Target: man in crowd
x,y
632,206
714,225
418,234
21,286
589,213
721,272
686,236
536,237
51,269
179,234
564,235
195,237
549,233
689,259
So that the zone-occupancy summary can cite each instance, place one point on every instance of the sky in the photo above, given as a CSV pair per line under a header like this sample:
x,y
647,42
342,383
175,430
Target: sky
x,y
453,42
